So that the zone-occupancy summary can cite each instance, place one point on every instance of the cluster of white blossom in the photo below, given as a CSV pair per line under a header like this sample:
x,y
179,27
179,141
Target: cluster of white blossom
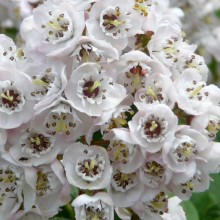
x,y
201,24
108,97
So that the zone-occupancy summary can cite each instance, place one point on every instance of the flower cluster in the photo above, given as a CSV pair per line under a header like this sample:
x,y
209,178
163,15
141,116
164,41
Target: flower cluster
x,y
201,24
107,97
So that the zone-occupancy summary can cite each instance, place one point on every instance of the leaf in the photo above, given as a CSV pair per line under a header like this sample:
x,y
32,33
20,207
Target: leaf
x,y
190,210
214,187
74,192
202,202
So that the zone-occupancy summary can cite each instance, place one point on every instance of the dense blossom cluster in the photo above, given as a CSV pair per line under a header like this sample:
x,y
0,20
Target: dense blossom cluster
x,y
107,97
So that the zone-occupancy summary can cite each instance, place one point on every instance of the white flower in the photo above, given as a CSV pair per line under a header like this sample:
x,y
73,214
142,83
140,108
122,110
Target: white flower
x,y
48,80
123,150
125,188
99,206
152,205
154,173
198,183
91,50
167,44
58,30
11,186
113,21
208,123
9,53
62,121
93,92
117,117
193,95
175,211
134,68
191,60
34,148
49,187
152,126
15,104
184,153
87,167
157,89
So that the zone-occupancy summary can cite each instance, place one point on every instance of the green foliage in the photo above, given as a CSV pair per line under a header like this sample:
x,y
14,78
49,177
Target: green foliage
x,y
190,210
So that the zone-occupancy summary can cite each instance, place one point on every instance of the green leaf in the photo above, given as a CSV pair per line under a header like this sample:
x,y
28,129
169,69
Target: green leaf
x,y
217,13
214,187
202,202
190,210
217,139
74,192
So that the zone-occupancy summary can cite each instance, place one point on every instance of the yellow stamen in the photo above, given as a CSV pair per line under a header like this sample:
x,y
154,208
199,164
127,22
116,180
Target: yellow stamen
x,y
141,8
154,126
136,80
116,23
20,53
36,140
196,90
61,125
7,96
95,85
90,166
40,82
120,121
55,25
151,92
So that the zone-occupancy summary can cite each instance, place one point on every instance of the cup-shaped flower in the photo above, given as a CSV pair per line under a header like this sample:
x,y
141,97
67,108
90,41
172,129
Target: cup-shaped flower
x,y
49,187
125,188
153,126
11,188
87,167
92,91
193,95
16,107
34,148
99,206
58,30
114,22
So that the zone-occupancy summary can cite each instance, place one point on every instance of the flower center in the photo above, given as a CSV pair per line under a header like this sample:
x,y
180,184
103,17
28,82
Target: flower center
x,y
142,6
96,211
196,91
112,22
58,28
60,122
152,94
42,185
213,127
119,151
154,169
90,169
159,204
35,143
185,151
123,181
42,83
154,128
11,100
8,185
91,89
